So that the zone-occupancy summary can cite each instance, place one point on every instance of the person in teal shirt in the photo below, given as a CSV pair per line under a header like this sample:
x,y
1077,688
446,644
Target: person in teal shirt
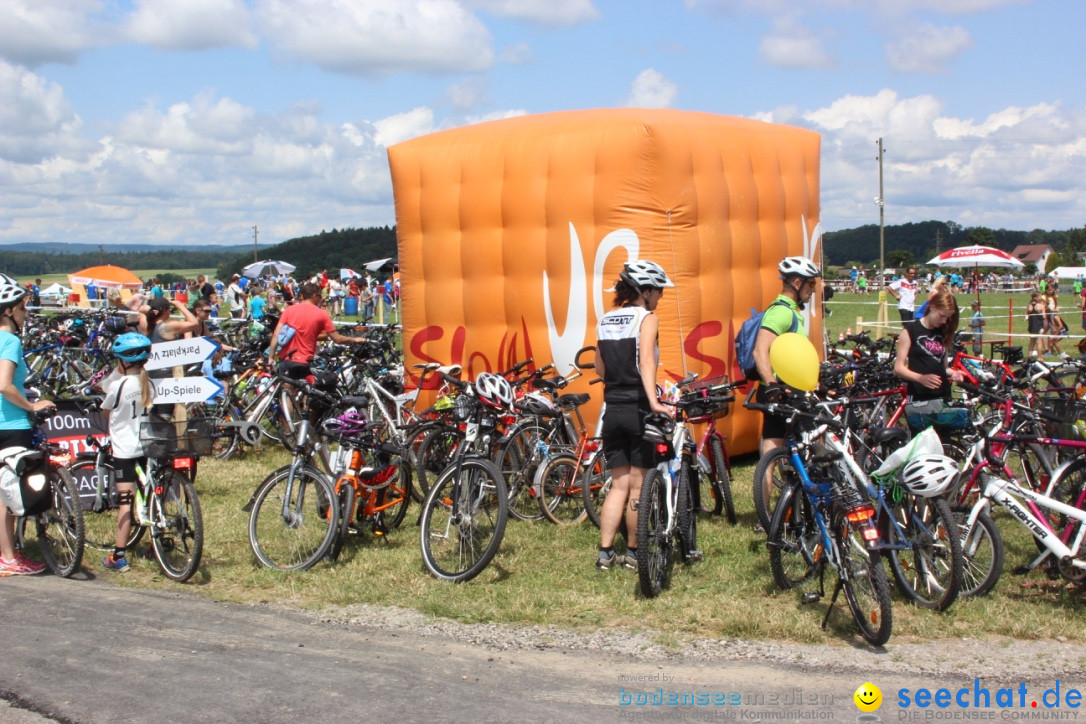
x,y
15,412
257,304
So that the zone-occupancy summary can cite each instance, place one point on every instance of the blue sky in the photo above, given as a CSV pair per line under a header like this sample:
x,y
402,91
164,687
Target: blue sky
x,y
182,122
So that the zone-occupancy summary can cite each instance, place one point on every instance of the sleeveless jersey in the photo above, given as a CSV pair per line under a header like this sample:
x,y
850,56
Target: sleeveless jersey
x,y
618,335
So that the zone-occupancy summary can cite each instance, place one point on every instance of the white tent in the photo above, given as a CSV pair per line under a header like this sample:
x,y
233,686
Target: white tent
x,y
1068,273
56,290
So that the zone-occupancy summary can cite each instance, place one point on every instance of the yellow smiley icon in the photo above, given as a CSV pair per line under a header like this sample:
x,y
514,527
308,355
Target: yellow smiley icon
x,y
868,697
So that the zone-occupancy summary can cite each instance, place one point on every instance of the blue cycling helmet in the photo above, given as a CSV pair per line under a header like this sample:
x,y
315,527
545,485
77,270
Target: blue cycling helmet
x,y
132,347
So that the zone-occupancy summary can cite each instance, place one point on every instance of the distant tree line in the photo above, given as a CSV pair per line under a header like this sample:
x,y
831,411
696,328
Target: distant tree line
x,y
917,242
329,250
32,263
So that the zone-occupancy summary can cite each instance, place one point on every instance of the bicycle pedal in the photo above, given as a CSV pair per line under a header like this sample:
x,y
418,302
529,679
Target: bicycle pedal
x,y
694,556
810,597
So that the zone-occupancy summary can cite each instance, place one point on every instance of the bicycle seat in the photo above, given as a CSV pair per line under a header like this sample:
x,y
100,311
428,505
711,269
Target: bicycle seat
x,y
573,400
890,434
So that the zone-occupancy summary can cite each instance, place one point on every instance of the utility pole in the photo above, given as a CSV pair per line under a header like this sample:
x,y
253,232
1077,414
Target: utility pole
x,y
882,316
881,201
255,234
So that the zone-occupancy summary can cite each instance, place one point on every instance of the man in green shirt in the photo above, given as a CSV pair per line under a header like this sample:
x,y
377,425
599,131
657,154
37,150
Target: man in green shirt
x,y
799,279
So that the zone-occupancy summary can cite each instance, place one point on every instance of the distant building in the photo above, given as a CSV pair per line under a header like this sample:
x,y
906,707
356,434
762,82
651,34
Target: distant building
x,y
1035,254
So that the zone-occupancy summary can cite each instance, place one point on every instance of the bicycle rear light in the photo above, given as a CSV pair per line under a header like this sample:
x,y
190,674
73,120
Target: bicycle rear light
x,y
183,463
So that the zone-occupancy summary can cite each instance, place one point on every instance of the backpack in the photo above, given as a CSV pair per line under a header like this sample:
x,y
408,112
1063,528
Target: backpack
x,y
748,333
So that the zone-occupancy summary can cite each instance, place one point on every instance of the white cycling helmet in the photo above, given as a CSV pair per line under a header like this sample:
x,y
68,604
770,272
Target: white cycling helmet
x,y
798,266
929,476
494,390
5,279
643,273
10,294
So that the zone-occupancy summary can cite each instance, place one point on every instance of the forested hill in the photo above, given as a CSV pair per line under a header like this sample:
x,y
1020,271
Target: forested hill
x,y
20,263
918,242
327,250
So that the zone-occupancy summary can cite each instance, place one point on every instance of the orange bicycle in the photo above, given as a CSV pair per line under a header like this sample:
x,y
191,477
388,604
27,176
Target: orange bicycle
x,y
374,489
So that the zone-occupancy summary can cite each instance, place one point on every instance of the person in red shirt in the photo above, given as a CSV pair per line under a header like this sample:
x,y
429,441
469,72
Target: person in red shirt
x,y
310,324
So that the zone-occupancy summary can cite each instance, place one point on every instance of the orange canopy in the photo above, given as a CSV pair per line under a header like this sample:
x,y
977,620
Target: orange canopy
x,y
111,277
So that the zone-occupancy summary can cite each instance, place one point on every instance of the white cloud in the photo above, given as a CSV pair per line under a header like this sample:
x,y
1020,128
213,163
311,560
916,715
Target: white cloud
x,y
191,25
43,31
927,48
36,119
378,36
791,45
652,90
554,13
404,126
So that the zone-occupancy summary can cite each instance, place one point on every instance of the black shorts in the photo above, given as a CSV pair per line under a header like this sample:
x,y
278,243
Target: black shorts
x,y
13,438
773,426
125,469
623,445
293,370
907,315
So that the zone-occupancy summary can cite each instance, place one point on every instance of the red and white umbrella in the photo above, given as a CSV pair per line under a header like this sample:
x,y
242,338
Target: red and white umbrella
x,y
975,256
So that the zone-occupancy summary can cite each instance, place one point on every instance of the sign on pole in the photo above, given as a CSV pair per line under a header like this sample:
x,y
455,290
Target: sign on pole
x,y
181,352
183,390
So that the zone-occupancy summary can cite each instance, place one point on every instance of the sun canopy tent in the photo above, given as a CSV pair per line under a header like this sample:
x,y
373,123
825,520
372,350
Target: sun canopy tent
x,y
110,277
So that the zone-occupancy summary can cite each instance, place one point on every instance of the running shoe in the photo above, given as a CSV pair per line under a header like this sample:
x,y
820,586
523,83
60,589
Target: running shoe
x,y
21,566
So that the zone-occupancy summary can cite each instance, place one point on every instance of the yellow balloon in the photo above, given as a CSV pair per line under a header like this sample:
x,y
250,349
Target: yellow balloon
x,y
795,361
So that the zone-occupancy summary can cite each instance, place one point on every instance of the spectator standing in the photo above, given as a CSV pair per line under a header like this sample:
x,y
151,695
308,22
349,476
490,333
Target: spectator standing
x,y
235,297
976,327
904,291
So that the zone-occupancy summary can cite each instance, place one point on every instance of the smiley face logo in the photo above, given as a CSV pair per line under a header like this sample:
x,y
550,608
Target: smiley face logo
x,y
868,697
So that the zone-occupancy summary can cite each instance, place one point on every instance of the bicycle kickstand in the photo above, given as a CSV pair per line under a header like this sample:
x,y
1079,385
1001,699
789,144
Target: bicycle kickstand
x,y
836,592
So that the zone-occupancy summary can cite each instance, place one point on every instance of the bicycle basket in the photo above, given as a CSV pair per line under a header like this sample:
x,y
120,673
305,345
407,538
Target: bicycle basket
x,y
698,400
162,437
1072,413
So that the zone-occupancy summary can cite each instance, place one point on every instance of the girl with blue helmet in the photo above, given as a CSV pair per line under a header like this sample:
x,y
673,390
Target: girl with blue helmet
x,y
128,398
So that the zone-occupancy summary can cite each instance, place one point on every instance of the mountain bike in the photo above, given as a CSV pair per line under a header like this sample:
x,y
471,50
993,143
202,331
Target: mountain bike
x,y
667,514
465,511
705,403
822,520
293,512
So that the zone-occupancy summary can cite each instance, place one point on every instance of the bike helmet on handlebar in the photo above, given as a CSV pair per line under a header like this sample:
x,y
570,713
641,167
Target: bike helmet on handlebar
x,y
643,273
798,266
929,475
494,390
658,428
132,347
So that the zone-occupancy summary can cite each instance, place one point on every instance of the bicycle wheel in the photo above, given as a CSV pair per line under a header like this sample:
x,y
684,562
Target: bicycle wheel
x,y
866,588
177,526
777,466
595,484
559,481
794,542
463,520
982,552
519,459
293,518
60,530
391,502
346,507
721,481
100,529
686,513
435,454
654,544
929,572
225,438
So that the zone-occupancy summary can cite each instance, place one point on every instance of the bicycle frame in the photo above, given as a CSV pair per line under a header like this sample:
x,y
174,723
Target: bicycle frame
x,y
1007,493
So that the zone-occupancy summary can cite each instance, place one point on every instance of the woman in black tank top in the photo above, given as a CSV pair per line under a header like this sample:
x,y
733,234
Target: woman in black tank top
x,y
626,356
